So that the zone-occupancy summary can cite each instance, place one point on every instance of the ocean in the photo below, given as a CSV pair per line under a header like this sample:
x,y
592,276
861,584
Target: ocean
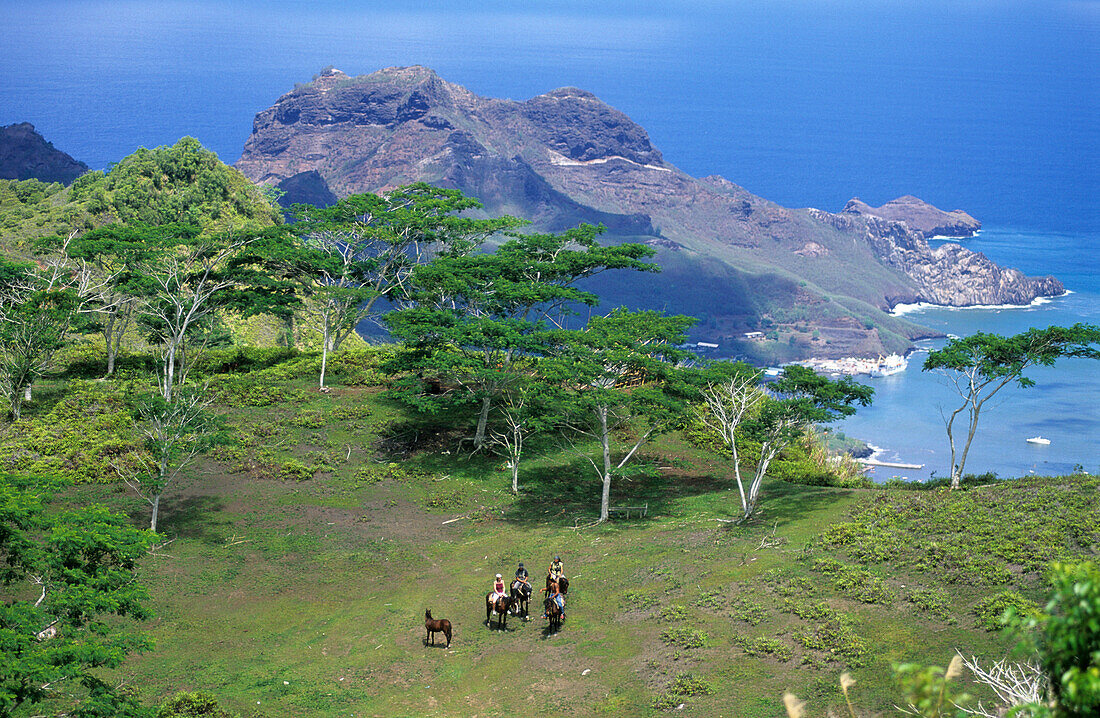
x,y
987,106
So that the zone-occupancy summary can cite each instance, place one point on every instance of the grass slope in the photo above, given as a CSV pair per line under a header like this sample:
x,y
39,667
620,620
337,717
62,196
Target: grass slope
x,y
306,552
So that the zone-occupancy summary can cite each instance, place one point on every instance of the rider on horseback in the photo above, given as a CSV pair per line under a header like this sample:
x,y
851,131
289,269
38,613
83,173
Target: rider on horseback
x,y
521,576
556,597
498,588
557,568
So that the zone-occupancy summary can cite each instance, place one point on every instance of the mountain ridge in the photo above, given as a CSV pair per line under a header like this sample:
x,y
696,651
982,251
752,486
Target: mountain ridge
x,y
566,156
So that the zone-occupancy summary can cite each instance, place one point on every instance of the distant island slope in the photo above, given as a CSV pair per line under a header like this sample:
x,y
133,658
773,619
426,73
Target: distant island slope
x,y
25,154
801,281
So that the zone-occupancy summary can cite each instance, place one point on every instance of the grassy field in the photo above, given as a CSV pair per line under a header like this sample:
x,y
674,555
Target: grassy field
x,y
306,551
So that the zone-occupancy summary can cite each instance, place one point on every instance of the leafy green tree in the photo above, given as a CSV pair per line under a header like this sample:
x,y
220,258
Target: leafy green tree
x,y
1069,639
38,303
980,365
119,254
479,319
620,372
776,418
347,257
67,575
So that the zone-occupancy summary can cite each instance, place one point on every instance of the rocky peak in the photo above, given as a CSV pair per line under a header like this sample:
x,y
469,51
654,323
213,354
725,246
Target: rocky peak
x,y
919,216
25,154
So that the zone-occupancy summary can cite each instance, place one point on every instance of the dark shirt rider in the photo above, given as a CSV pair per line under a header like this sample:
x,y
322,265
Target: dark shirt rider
x,y
521,575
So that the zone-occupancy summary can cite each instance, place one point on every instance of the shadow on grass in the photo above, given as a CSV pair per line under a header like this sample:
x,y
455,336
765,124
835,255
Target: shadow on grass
x,y
786,503
193,517
564,492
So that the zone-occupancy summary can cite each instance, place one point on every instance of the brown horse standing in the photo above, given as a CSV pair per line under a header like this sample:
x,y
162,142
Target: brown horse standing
x,y
500,607
434,626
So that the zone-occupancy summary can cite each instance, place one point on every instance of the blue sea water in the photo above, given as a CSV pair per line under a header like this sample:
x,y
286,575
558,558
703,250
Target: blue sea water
x,y
905,419
989,105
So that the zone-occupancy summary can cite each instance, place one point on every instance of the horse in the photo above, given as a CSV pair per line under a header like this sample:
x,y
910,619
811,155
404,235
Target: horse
x,y
500,607
563,584
434,626
553,612
521,597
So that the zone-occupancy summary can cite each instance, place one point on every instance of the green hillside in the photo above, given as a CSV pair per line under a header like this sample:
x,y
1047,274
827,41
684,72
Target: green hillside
x,y
306,550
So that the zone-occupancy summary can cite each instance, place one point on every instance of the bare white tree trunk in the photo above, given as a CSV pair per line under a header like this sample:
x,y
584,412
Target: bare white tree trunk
x,y
605,443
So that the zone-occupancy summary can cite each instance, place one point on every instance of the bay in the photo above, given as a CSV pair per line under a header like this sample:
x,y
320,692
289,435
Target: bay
x,y
905,419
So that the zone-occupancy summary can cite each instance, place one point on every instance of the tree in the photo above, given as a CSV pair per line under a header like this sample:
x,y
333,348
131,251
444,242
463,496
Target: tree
x,y
480,318
980,365
1069,639
524,414
176,431
185,278
621,372
38,303
81,565
726,405
119,254
364,248
776,418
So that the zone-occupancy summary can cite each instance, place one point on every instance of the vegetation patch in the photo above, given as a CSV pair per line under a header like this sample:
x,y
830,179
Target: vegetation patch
x,y
855,582
835,638
933,601
684,637
993,610
684,685
764,646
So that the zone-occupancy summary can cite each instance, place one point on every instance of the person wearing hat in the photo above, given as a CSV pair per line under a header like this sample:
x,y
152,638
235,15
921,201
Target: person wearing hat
x,y
521,574
498,588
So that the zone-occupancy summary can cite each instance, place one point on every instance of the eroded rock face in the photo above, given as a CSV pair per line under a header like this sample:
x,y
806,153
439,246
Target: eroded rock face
x,y
919,216
950,274
25,154
565,157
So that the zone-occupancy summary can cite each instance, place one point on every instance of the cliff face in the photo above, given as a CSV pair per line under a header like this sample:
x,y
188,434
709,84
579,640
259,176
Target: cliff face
x,y
25,154
919,216
566,157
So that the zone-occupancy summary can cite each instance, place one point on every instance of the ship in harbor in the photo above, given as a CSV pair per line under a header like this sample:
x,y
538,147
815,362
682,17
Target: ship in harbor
x,y
888,365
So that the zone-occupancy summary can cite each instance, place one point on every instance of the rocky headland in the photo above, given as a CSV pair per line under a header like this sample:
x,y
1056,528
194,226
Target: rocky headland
x,y
25,154
920,217
813,282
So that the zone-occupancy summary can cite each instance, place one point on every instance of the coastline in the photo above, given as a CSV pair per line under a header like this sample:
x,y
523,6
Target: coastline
x,y
901,309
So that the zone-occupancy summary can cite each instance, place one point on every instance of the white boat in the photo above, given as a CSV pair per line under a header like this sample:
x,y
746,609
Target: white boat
x,y
889,365
1038,440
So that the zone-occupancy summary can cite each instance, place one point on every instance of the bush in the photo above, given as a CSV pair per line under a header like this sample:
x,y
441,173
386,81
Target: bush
x,y
673,613
88,437
991,610
1070,639
684,637
836,638
764,646
684,684
189,705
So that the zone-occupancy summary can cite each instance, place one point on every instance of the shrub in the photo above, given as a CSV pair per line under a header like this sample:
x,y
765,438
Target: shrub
x,y
684,637
639,600
711,599
188,705
804,610
836,638
764,646
991,610
673,613
683,685
933,601
1070,639
855,582
87,437
750,612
